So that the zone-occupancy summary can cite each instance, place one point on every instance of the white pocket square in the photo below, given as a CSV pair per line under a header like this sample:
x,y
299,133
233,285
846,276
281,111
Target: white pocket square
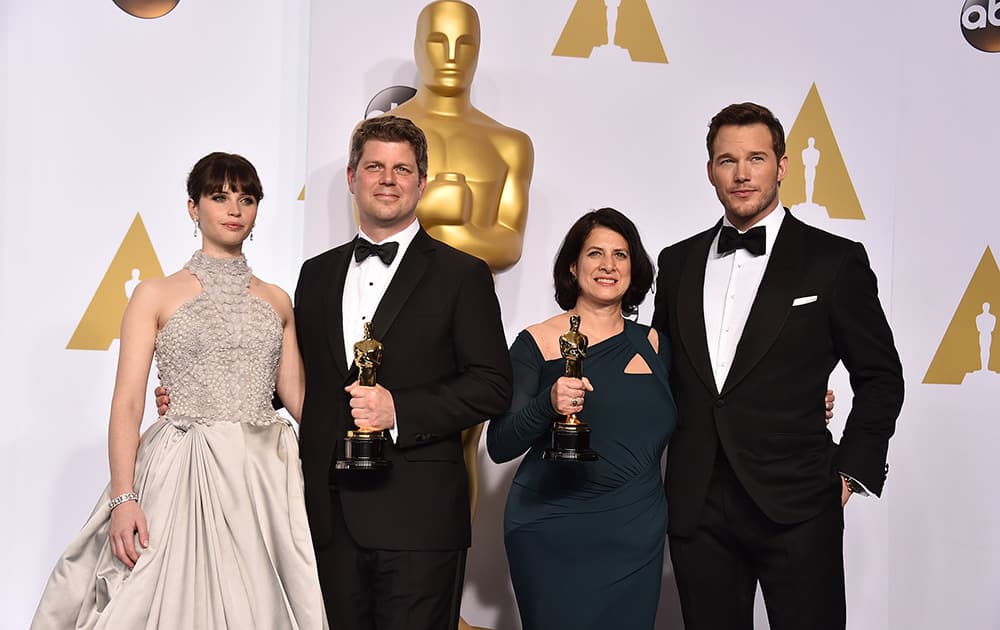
x,y
808,299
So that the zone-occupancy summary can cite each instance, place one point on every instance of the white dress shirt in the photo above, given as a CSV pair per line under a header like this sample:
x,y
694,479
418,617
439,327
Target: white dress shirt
x,y
364,288
731,283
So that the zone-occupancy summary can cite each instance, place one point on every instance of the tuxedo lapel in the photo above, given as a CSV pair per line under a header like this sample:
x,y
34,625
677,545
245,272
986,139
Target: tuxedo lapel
x,y
334,306
691,307
404,281
773,302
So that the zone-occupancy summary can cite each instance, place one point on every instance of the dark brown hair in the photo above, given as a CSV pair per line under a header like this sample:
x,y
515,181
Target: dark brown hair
x,y
212,172
742,115
389,128
567,289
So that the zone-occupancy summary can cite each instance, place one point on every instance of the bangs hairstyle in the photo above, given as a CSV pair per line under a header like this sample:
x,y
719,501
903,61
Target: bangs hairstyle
x,y
389,128
212,172
743,115
567,289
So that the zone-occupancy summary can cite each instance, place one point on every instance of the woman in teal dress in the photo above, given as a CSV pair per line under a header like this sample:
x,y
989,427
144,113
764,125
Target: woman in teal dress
x,y
585,539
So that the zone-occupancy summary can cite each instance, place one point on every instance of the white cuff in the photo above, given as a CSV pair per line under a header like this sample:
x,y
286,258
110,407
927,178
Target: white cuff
x,y
864,490
394,431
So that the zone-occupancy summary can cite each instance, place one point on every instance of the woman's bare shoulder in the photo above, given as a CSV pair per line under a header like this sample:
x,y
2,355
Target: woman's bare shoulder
x,y
546,335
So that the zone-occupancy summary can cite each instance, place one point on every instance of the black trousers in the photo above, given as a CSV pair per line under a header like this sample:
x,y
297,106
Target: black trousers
x,y
800,567
377,589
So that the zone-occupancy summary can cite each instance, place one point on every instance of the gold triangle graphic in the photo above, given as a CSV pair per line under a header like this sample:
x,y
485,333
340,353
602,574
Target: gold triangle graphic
x,y
831,187
302,194
135,260
959,351
634,31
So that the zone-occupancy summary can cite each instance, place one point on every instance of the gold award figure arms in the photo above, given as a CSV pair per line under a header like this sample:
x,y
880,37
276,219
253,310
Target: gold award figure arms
x,y
367,356
573,348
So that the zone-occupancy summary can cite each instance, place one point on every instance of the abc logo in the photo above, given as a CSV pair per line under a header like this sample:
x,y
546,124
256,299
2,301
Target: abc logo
x,y
981,24
148,9
388,99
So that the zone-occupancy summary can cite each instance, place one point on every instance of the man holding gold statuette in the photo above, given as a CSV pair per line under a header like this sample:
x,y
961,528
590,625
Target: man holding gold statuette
x,y
391,540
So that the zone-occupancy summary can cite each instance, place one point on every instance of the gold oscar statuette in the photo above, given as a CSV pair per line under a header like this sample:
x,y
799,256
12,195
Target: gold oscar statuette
x,y
571,436
363,447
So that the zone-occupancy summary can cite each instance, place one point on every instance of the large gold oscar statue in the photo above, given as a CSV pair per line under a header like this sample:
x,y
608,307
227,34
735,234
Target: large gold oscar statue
x,y
479,171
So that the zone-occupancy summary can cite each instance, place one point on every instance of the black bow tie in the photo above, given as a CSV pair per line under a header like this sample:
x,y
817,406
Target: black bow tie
x,y
386,251
753,240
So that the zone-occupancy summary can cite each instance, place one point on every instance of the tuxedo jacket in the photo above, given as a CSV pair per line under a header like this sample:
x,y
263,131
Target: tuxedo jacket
x,y
446,364
817,305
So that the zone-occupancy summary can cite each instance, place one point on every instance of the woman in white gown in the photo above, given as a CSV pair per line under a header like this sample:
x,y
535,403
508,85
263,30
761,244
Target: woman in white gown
x,y
203,524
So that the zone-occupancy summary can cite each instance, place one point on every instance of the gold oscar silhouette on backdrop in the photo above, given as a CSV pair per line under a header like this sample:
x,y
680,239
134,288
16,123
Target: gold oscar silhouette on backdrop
x,y
478,170
613,29
817,185
966,354
101,322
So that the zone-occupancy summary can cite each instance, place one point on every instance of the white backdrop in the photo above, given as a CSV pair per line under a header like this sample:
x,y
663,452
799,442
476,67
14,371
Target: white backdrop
x,y
105,113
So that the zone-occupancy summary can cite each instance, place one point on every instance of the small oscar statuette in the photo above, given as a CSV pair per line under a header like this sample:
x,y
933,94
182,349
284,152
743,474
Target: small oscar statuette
x,y
571,437
363,447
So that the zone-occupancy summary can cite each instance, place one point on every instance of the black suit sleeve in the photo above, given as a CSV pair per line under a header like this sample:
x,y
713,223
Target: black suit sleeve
x,y
480,387
864,342
660,308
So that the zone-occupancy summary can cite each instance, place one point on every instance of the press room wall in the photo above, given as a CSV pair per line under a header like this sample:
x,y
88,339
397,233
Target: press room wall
x,y
104,114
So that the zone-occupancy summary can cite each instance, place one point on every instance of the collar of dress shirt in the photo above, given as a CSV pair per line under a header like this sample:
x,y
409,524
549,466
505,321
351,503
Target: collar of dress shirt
x,y
772,223
404,237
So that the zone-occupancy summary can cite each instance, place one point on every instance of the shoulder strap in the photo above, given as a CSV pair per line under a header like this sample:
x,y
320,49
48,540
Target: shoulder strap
x,y
637,335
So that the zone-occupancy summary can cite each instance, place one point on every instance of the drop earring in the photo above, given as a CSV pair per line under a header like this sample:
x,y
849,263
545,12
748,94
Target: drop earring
x,y
196,228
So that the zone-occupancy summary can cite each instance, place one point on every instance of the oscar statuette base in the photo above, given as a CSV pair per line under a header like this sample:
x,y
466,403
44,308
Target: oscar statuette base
x,y
363,451
570,443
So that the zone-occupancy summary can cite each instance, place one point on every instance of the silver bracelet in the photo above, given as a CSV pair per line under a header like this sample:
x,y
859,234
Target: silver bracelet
x,y
122,498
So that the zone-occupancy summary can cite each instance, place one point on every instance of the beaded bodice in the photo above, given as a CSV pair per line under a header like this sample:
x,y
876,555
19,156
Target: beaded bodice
x,y
218,353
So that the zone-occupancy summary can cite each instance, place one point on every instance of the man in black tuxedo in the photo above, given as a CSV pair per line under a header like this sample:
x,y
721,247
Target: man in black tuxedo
x,y
391,544
759,309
